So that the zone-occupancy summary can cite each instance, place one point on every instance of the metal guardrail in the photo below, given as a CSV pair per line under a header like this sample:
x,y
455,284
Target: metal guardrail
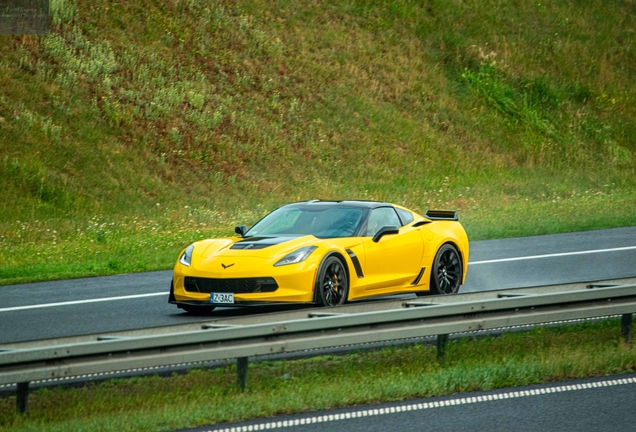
x,y
420,318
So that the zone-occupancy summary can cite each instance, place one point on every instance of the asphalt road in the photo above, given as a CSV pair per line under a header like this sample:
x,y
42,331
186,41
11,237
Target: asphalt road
x,y
124,302
551,259
604,404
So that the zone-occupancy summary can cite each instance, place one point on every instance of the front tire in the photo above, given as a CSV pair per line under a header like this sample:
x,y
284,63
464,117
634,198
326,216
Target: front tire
x,y
171,298
332,285
446,274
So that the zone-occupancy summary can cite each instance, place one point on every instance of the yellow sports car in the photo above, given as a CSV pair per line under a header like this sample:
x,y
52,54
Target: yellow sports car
x,y
326,253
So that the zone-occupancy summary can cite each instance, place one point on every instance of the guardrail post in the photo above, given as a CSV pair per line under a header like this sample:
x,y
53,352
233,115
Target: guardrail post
x,y
241,372
442,340
22,397
626,327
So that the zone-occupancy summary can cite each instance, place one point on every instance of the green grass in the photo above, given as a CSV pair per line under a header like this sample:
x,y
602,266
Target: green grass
x,y
282,387
520,115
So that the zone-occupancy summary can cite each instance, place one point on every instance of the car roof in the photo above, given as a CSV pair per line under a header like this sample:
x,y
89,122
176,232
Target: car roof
x,y
346,203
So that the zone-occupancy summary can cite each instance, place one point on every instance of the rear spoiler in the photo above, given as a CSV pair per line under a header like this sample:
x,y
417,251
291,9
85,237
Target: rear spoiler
x,y
442,215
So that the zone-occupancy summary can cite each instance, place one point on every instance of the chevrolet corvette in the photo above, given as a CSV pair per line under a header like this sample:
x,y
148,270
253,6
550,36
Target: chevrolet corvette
x,y
326,253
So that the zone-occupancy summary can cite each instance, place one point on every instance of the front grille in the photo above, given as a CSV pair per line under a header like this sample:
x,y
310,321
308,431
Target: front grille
x,y
236,286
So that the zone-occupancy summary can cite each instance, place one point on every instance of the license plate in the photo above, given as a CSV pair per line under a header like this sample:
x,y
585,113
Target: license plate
x,y
222,298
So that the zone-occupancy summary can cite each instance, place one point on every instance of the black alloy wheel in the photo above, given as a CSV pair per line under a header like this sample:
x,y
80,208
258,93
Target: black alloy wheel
x,y
446,275
332,283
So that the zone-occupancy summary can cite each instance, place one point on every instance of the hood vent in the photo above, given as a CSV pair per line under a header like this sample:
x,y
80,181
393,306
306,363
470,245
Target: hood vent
x,y
254,243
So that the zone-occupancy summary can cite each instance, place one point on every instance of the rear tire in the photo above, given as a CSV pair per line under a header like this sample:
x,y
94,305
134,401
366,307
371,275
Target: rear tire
x,y
446,274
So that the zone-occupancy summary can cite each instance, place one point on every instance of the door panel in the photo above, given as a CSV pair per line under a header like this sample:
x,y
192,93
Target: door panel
x,y
395,260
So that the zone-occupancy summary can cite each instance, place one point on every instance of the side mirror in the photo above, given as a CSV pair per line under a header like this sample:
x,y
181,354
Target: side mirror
x,y
389,229
241,230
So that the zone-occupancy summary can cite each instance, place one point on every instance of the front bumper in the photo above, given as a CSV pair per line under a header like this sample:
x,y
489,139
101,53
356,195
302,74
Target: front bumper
x,y
295,284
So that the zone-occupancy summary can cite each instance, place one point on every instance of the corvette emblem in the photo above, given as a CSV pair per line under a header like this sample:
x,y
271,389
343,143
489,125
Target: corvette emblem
x,y
226,266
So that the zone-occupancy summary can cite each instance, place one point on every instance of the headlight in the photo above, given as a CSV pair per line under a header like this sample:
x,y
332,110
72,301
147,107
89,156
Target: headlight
x,y
186,257
296,256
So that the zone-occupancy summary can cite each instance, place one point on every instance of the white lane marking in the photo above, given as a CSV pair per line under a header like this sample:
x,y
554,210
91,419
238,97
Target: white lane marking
x,y
164,293
552,255
76,302
425,405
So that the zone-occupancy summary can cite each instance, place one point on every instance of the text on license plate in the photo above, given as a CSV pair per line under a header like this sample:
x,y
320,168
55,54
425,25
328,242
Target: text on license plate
x,y
227,298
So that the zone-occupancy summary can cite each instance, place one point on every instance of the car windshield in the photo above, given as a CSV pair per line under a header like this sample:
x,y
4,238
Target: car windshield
x,y
317,221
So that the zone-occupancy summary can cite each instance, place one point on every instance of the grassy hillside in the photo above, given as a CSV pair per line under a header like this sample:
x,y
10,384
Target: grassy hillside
x,y
138,126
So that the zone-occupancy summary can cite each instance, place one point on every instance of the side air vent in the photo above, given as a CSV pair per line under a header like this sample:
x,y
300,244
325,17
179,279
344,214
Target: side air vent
x,y
356,263
419,276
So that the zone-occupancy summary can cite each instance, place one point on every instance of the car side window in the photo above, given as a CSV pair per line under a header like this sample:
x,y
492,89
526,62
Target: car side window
x,y
381,217
405,216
